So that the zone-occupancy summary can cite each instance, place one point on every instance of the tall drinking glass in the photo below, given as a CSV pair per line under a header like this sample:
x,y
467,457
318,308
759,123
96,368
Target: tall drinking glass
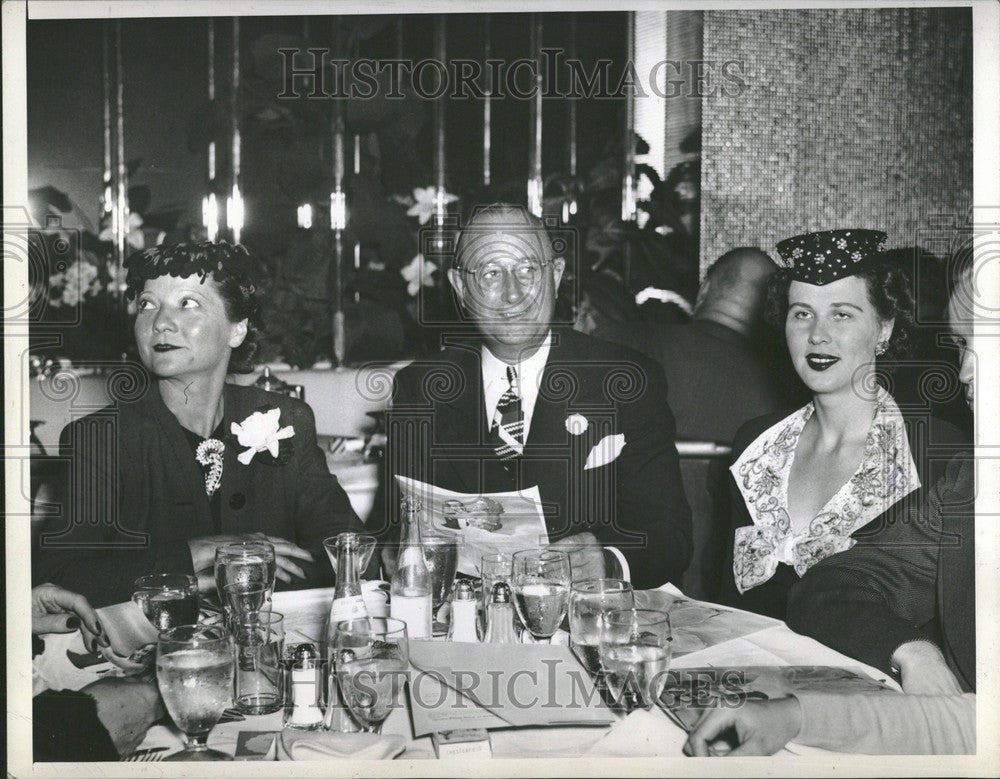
x,y
241,602
372,658
249,564
635,653
167,599
441,557
588,600
260,642
194,670
541,590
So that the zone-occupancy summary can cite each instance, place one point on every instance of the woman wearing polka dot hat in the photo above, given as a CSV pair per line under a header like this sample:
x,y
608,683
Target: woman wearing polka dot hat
x,y
849,466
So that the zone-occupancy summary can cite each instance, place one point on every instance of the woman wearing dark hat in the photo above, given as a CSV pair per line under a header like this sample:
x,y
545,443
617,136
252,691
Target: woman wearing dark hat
x,y
848,467
156,484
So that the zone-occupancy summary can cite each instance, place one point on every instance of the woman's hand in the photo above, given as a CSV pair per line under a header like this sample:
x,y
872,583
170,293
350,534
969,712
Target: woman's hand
x,y
285,554
923,670
127,707
55,610
754,728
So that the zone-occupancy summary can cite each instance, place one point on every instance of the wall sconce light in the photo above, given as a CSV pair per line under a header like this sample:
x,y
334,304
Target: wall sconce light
x,y
305,216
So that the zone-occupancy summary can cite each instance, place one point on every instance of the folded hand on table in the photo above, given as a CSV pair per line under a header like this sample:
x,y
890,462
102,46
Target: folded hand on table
x,y
285,554
586,555
754,728
55,610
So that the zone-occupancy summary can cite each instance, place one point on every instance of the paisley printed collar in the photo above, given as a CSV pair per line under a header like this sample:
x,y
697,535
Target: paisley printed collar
x,y
886,475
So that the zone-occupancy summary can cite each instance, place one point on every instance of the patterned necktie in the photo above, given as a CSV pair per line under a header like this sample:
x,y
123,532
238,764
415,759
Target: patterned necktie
x,y
508,421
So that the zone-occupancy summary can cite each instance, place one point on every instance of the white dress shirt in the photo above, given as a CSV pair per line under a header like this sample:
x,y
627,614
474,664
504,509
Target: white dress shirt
x,y
529,376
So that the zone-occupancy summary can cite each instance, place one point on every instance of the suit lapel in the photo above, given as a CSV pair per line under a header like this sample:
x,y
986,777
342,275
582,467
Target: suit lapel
x,y
181,462
235,475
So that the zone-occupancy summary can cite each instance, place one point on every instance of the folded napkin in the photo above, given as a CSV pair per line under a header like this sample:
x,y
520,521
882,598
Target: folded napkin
x,y
132,636
323,745
641,734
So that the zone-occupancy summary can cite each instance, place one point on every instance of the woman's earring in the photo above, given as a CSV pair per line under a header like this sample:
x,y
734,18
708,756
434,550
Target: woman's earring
x,y
880,348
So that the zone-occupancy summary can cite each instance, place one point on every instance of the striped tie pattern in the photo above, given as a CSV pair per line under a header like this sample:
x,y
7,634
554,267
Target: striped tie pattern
x,y
508,421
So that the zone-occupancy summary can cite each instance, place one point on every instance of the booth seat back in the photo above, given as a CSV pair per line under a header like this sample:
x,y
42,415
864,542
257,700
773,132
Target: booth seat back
x,y
340,399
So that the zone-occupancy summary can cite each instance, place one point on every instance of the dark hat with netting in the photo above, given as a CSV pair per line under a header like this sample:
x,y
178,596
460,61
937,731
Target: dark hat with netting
x,y
222,260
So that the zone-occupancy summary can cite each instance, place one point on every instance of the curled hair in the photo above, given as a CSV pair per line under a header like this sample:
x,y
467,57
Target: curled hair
x,y
888,292
229,267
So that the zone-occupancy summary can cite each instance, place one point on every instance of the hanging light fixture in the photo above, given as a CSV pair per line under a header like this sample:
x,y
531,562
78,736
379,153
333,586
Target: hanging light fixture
x,y
107,196
338,214
487,101
535,184
209,204
628,168
304,213
569,203
440,194
235,215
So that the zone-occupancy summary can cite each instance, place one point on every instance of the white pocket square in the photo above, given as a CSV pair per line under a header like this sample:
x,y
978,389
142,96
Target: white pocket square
x,y
605,451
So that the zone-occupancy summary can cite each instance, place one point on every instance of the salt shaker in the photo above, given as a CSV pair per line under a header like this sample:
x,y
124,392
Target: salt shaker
x,y
500,616
463,613
304,713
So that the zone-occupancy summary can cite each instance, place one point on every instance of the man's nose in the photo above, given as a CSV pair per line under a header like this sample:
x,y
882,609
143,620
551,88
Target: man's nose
x,y
512,290
967,367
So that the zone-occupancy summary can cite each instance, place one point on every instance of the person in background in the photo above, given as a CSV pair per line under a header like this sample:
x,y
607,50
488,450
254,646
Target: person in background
x,y
849,465
523,402
105,720
162,478
717,374
851,609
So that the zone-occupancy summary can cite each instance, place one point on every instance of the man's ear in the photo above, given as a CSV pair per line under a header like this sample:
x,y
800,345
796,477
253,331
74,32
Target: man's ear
x,y
238,334
457,281
558,268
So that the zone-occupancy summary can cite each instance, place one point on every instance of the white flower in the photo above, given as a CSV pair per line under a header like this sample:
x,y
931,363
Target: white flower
x,y
76,282
576,424
133,235
417,274
424,204
260,432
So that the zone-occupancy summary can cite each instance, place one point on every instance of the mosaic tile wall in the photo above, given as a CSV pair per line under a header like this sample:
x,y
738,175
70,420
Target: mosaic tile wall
x,y
849,118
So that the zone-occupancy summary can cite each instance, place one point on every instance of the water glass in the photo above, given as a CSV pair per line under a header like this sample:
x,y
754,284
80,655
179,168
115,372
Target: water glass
x,y
167,599
588,600
372,659
635,649
541,589
441,557
242,600
259,687
194,670
249,563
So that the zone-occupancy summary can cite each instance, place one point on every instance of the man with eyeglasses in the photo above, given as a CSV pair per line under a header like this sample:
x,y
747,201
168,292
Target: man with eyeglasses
x,y
527,402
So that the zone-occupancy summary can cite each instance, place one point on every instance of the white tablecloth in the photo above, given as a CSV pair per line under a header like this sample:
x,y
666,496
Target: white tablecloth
x,y
759,642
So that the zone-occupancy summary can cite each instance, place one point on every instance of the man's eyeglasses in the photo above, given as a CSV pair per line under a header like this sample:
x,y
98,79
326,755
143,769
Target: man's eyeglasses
x,y
491,275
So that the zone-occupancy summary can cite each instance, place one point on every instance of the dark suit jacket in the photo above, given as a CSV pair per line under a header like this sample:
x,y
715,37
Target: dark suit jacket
x,y
438,433
718,380
902,533
135,495
872,600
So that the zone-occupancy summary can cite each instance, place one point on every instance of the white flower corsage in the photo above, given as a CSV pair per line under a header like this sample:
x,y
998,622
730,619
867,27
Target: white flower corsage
x,y
576,424
260,432
209,453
